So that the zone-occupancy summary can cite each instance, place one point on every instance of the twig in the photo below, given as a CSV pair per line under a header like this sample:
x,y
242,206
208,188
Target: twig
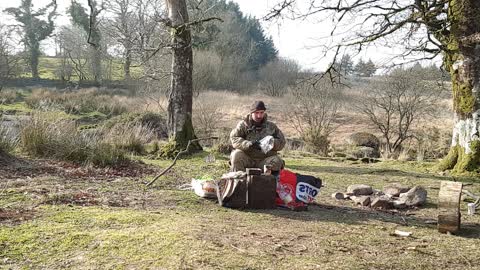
x,y
475,197
176,157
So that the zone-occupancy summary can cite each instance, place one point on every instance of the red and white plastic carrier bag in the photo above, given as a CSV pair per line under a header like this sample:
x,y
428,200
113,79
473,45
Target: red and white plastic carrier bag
x,y
296,191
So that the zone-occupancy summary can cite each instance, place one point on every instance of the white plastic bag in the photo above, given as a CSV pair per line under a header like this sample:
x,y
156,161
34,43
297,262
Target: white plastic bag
x,y
204,188
266,144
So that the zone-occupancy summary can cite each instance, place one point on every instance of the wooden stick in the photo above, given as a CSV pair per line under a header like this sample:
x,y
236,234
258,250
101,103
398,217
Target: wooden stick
x,y
475,197
176,157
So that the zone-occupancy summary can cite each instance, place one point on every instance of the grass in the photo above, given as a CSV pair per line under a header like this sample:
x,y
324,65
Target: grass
x,y
48,66
163,227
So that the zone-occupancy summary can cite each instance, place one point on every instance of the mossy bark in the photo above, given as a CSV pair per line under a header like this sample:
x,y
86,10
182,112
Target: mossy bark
x,y
180,127
462,59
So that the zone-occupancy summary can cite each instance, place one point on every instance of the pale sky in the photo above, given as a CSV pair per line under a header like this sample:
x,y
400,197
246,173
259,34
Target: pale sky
x,y
298,40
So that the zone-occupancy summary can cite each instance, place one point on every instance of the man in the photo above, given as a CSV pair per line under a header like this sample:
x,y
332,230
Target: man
x,y
246,136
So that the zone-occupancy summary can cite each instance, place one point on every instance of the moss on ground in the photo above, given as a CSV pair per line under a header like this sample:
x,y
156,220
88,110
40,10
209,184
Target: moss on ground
x,y
165,228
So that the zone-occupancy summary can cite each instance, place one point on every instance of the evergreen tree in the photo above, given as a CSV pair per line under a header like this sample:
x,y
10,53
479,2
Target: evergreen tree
x,y
35,29
237,39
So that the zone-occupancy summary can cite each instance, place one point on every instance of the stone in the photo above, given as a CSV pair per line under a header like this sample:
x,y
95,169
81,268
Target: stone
x,y
399,205
381,202
362,200
395,189
359,189
416,196
364,152
338,196
364,139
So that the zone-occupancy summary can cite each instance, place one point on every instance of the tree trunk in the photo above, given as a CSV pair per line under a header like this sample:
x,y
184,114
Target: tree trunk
x,y
180,127
462,58
34,55
96,63
127,64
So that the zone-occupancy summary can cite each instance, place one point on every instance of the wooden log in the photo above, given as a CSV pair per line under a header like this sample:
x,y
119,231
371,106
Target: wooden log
x,y
449,206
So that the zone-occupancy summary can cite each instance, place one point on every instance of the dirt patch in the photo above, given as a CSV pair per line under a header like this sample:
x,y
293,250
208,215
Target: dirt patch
x,y
77,198
15,215
22,168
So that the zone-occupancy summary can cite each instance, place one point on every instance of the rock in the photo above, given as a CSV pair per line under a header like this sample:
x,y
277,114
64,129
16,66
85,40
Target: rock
x,y
414,197
381,202
395,189
362,200
399,205
359,189
338,196
364,152
364,139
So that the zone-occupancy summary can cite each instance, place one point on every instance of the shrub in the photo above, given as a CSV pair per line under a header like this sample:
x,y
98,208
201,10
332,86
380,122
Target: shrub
x,y
316,142
82,101
131,137
7,140
156,122
9,96
223,145
312,111
62,140
206,114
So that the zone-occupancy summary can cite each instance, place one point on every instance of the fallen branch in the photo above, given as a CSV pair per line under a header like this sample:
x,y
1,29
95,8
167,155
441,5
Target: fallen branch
x,y
475,197
176,157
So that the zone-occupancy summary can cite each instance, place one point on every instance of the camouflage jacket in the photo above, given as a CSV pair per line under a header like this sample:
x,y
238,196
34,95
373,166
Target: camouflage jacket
x,y
245,133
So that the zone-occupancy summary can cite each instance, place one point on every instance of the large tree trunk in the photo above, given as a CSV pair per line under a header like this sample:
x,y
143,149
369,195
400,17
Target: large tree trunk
x,y
462,57
180,127
34,57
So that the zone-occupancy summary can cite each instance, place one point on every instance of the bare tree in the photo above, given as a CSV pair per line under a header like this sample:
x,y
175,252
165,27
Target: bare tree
x,y
396,104
277,76
122,28
312,109
426,28
9,62
91,24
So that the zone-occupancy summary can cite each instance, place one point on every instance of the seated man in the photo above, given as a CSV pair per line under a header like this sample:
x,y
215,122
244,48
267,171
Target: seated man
x,y
246,138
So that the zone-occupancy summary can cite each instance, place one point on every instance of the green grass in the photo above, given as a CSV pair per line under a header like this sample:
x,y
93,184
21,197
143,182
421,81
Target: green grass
x,y
15,108
165,228
48,66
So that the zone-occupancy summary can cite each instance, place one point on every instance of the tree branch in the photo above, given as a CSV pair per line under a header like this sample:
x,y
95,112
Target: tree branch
x,y
176,157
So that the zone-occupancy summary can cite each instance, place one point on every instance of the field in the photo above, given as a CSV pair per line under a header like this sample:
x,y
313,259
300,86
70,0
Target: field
x,y
59,214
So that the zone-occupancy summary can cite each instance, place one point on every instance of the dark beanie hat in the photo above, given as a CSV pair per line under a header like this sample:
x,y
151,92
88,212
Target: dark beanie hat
x,y
258,106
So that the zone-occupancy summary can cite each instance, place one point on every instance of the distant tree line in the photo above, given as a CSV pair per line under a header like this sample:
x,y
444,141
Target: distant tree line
x,y
230,51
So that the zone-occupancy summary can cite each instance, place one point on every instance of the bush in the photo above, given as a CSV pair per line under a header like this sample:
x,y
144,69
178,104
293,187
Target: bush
x,y
9,96
316,142
432,143
82,101
130,137
61,140
7,140
223,145
156,122
206,114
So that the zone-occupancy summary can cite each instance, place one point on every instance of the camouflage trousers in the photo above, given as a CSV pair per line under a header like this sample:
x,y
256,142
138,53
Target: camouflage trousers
x,y
239,161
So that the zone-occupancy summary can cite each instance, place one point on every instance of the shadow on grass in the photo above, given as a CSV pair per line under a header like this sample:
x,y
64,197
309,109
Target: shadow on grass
x,y
377,171
357,216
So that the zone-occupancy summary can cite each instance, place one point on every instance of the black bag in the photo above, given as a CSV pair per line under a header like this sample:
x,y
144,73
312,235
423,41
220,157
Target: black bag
x,y
250,192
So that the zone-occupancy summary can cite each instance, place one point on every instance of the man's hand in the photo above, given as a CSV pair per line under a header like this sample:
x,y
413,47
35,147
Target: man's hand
x,y
255,145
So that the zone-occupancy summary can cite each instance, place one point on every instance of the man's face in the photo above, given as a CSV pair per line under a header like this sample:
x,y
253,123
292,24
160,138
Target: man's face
x,y
257,116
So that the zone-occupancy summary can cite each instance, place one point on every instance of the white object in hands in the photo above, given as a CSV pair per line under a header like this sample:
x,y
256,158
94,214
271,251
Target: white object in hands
x,y
266,144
